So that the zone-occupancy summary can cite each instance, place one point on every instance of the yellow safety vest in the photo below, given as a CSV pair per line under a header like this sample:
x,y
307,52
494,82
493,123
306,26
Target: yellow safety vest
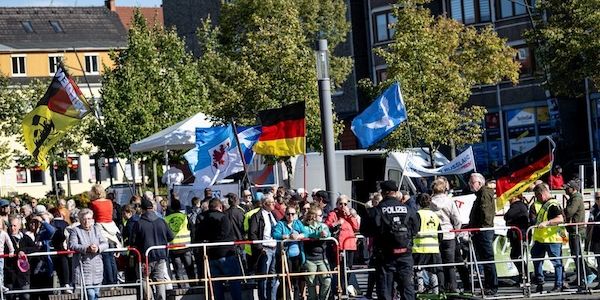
x,y
247,217
550,234
178,223
426,240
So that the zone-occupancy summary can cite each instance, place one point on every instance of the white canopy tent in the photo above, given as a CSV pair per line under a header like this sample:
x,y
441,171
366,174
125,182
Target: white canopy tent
x,y
180,136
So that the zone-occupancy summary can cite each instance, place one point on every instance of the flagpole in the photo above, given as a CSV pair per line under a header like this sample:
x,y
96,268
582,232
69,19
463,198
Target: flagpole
x,y
93,107
239,147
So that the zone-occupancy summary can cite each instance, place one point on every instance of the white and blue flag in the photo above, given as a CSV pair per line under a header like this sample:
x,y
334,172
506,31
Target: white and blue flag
x,y
381,117
216,155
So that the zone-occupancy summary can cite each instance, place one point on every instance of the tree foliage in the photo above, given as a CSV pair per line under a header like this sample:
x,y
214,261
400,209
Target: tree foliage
x,y
262,56
437,61
153,84
568,43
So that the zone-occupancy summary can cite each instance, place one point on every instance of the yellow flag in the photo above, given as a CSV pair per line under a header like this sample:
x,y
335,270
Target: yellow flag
x,y
62,106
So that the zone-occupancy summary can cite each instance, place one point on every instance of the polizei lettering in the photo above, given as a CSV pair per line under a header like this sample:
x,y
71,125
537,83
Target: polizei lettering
x,y
394,210
66,84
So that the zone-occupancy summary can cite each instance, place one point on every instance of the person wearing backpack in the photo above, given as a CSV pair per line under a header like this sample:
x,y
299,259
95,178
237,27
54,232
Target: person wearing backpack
x,y
392,225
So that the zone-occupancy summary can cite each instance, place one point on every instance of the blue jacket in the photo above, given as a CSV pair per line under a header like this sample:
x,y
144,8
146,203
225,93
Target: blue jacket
x,y
44,238
282,229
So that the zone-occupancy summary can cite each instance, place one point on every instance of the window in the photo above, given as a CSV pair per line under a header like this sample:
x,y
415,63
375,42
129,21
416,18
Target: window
x,y
470,11
71,166
29,175
54,62
382,26
381,74
56,26
27,26
525,59
510,8
18,66
91,64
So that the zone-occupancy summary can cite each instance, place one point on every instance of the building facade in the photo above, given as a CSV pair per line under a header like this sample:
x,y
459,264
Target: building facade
x,y
33,40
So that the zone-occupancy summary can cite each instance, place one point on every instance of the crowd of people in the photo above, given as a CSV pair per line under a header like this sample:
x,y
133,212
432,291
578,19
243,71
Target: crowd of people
x,y
401,232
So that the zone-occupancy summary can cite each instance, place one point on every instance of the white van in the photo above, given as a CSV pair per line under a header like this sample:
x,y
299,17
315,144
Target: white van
x,y
358,172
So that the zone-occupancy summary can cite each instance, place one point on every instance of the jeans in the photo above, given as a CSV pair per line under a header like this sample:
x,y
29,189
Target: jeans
x,y
448,253
183,266
158,272
226,266
312,280
402,267
267,288
110,268
93,293
539,250
483,244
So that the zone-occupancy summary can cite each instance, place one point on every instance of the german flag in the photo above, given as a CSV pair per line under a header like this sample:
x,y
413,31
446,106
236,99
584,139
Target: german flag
x,y
283,131
521,171
61,107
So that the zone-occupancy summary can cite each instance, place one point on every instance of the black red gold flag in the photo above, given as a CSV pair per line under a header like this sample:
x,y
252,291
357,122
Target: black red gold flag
x,y
62,106
522,170
283,131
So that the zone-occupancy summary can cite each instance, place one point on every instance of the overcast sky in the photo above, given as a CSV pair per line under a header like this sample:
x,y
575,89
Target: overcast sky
x,y
150,3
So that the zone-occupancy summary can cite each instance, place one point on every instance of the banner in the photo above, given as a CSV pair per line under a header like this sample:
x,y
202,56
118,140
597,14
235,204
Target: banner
x,y
61,107
463,163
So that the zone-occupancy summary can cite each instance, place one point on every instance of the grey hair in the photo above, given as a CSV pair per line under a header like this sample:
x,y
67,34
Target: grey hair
x,y
478,177
84,212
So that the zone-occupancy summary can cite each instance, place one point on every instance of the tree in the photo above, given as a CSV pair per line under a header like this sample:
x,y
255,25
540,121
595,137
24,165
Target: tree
x,y
567,43
437,61
262,56
154,84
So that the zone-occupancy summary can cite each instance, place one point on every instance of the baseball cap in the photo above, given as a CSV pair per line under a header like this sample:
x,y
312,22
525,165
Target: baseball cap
x,y
388,186
574,184
4,202
40,210
147,204
258,197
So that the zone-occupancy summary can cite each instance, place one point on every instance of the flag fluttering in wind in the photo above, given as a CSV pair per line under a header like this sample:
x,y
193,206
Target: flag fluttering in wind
x,y
61,107
522,170
216,155
381,117
283,131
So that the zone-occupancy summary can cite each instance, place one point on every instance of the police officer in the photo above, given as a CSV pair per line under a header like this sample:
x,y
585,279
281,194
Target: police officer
x,y
393,226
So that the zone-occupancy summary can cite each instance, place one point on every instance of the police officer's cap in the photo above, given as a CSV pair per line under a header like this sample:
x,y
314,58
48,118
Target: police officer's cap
x,y
388,186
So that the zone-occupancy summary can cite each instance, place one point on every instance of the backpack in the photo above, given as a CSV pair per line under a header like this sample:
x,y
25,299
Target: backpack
x,y
395,232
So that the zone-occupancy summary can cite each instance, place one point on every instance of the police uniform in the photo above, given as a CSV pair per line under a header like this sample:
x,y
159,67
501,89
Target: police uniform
x,y
393,257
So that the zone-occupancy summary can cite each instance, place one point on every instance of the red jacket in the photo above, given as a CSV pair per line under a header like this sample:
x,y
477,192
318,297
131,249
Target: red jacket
x,y
347,238
556,182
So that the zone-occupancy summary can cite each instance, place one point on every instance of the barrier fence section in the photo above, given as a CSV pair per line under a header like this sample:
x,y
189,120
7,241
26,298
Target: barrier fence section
x,y
578,258
472,263
82,287
208,279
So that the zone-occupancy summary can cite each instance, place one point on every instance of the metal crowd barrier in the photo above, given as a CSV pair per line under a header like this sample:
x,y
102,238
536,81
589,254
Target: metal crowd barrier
x,y
208,279
581,272
82,287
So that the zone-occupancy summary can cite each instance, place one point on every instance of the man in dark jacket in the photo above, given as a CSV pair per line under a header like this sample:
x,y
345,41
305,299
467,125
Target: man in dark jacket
x,y
151,230
575,213
482,216
518,216
222,260
392,225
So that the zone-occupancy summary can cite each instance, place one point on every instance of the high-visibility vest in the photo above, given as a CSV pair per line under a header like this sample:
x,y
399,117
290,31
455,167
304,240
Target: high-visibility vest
x,y
178,223
550,234
426,240
247,217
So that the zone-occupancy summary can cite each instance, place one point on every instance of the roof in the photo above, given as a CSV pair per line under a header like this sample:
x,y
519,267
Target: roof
x,y
153,15
78,27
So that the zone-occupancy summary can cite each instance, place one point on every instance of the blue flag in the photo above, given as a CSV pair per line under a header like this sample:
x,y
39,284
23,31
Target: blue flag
x,y
380,118
216,155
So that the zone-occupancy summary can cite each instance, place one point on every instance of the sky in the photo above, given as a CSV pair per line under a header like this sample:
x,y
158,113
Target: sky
x,y
150,3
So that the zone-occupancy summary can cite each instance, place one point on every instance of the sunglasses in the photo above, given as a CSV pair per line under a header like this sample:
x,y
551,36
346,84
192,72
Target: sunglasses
x,y
291,214
343,203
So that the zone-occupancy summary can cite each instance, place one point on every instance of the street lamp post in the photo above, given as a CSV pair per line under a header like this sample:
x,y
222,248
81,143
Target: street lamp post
x,y
326,119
